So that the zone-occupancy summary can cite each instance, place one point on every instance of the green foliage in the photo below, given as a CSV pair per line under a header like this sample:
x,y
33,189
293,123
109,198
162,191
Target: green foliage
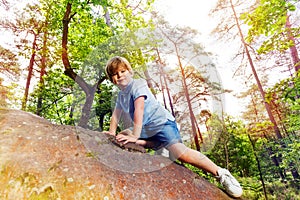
x,y
92,39
252,189
281,190
233,150
293,117
13,95
286,93
269,20
57,94
103,106
291,154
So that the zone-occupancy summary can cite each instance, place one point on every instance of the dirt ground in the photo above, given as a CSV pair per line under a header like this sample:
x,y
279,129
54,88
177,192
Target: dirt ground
x,y
40,160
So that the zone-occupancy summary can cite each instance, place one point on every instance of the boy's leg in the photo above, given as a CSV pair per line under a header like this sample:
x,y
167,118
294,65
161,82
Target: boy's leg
x,y
193,157
145,143
197,159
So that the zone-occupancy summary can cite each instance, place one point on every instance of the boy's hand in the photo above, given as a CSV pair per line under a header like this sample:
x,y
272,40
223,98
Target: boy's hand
x,y
126,138
109,133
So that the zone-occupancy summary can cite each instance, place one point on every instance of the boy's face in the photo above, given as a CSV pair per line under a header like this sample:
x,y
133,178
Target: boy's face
x,y
121,77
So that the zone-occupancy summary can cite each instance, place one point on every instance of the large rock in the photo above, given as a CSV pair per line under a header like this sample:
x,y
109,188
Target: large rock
x,y
40,160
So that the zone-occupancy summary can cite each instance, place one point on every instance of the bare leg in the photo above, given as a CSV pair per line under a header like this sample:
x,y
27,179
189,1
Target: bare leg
x,y
195,158
145,143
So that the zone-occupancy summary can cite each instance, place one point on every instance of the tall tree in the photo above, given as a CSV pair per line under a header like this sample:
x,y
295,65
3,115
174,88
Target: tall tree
x,y
246,51
290,38
176,40
192,75
30,27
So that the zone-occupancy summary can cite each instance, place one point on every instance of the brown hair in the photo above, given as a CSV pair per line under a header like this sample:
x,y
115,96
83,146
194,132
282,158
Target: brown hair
x,y
114,64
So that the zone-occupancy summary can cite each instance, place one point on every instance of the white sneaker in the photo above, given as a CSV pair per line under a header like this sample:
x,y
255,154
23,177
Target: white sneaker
x,y
230,184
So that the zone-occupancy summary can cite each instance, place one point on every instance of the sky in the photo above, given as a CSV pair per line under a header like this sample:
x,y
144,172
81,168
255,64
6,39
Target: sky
x,y
191,13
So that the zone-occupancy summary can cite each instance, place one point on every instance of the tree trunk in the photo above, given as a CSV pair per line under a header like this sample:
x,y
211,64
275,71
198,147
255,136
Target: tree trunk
x,y
226,150
162,87
258,168
101,122
262,92
293,49
42,72
86,110
168,92
88,90
193,122
30,73
164,83
148,79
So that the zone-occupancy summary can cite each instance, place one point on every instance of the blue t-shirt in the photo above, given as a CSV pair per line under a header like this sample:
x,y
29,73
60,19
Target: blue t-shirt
x,y
155,115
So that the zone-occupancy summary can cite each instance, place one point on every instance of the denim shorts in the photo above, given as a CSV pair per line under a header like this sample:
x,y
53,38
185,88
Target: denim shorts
x,y
167,136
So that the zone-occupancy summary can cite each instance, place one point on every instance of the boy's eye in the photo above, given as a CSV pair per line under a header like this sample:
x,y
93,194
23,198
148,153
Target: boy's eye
x,y
121,71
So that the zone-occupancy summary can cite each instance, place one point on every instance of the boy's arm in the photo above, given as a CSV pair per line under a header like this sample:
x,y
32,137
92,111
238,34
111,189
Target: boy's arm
x,y
114,121
137,120
138,116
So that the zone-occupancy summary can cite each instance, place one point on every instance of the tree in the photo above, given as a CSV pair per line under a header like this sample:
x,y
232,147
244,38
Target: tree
x,y
246,51
250,61
255,109
9,69
176,38
270,22
81,9
59,98
234,143
163,82
191,72
28,28
286,94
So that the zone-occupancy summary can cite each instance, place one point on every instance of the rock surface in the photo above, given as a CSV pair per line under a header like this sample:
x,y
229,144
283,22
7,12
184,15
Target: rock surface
x,y
40,160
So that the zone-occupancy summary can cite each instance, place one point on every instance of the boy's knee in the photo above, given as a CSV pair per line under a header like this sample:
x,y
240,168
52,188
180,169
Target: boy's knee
x,y
179,151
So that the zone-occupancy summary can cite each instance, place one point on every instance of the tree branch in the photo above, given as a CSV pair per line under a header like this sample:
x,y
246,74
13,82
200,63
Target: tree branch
x,y
65,59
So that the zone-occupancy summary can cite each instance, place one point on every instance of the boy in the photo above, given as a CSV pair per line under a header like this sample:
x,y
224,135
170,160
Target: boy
x,y
153,126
